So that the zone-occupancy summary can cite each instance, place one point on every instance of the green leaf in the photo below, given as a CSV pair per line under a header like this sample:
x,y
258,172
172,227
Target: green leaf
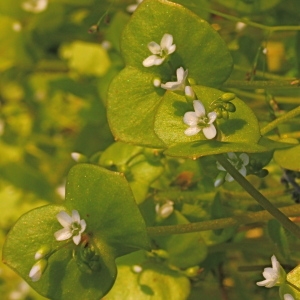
x,y
199,47
289,158
114,227
155,281
132,98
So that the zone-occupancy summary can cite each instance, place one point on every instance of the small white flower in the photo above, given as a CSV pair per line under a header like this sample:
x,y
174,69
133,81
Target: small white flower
x,y
160,52
156,82
38,269
165,210
239,163
179,84
73,226
274,275
288,297
17,26
197,120
137,269
131,8
35,6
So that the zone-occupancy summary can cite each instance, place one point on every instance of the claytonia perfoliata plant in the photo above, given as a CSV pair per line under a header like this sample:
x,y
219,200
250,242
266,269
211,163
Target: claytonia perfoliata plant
x,y
160,52
198,120
35,6
73,227
239,162
178,85
273,276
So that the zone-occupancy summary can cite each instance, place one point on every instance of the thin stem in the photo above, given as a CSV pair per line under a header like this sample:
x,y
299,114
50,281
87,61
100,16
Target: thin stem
x,y
253,24
246,218
286,117
260,84
261,199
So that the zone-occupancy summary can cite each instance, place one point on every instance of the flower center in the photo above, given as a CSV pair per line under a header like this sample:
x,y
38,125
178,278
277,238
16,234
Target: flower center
x,y
75,228
203,121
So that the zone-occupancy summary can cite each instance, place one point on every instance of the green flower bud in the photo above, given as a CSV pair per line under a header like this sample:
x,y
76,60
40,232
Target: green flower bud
x,y
230,107
42,252
228,97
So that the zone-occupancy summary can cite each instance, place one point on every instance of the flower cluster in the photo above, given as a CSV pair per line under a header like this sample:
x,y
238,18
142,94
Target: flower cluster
x,y
197,120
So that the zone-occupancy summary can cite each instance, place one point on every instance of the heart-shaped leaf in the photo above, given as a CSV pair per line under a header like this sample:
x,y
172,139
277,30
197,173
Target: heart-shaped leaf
x,y
114,227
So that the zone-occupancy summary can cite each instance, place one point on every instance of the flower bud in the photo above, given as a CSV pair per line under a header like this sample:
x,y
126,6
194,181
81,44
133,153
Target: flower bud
x,y
42,252
228,97
38,269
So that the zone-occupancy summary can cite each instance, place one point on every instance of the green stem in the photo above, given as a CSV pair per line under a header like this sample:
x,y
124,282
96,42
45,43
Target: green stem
x,y
286,117
253,24
246,218
260,84
261,199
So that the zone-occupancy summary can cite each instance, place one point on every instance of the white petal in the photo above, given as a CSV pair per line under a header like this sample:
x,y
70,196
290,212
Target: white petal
x,y
244,158
83,226
212,117
64,219
210,132
220,167
159,60
35,273
63,234
75,216
131,8
189,92
150,61
166,41
190,118
275,264
171,49
288,297
243,171
229,178
77,239
199,108
263,283
171,85
232,156
154,48
180,74
192,130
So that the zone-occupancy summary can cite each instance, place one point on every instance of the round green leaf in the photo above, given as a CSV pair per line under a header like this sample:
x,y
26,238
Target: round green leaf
x,y
289,158
199,48
240,133
154,282
114,227
131,107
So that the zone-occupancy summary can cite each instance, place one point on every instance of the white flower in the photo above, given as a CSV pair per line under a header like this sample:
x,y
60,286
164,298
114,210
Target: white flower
x,y
160,52
179,84
197,120
288,297
35,6
165,210
38,269
273,275
131,8
73,226
239,163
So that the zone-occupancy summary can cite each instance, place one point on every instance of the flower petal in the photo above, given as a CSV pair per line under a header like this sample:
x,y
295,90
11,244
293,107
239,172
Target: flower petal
x,y
77,239
83,226
229,178
166,41
288,297
210,132
244,158
220,167
75,216
199,108
275,263
243,171
63,234
171,85
180,74
64,219
150,61
232,156
171,49
212,116
192,130
154,48
263,283
190,118
35,273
